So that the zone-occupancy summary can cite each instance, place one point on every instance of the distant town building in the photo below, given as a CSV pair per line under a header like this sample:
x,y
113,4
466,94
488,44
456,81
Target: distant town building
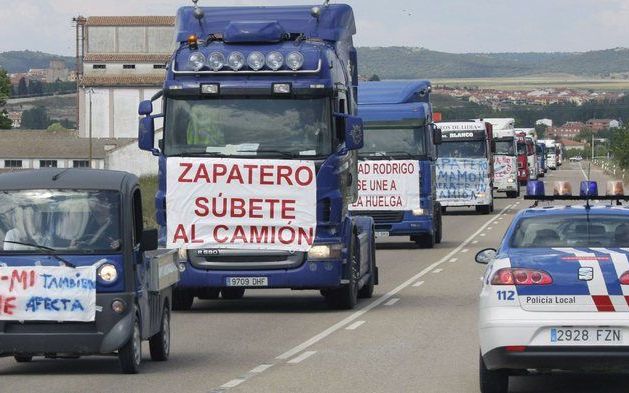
x,y
123,61
544,122
569,130
569,144
61,149
57,71
602,124
16,119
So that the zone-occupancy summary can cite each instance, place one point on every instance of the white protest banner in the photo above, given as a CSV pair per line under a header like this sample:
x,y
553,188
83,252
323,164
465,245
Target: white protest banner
x,y
48,293
241,204
463,182
387,185
504,167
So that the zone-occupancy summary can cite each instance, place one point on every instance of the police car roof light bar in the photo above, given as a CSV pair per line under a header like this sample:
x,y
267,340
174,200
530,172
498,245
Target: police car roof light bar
x,y
563,192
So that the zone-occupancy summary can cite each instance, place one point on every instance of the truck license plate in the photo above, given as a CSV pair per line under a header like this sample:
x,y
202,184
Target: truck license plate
x,y
247,282
382,234
595,336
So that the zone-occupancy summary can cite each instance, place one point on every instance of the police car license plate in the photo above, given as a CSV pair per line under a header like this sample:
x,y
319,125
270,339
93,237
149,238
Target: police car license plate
x,y
247,282
382,234
594,336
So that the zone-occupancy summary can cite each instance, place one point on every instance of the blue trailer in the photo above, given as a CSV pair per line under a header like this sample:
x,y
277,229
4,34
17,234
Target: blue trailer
x,y
247,87
399,129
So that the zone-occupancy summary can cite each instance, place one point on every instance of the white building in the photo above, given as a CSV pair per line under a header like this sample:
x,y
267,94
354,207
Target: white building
x,y
123,63
545,122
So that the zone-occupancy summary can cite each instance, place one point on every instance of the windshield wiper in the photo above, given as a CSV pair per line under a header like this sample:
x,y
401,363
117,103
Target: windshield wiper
x,y
280,152
199,154
51,251
391,155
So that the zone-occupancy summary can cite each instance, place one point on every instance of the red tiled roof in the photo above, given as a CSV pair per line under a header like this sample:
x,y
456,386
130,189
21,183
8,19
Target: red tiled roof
x,y
126,57
146,80
130,21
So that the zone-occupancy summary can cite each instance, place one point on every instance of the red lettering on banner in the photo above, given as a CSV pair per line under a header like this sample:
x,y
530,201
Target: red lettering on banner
x,y
255,206
272,203
238,208
193,231
7,305
187,167
202,208
20,279
202,174
220,240
264,174
309,179
219,170
288,207
235,174
284,172
180,234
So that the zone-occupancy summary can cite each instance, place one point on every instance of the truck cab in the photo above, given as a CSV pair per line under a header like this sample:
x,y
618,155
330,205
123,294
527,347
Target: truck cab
x,y
540,149
396,172
464,166
505,157
258,161
551,153
80,276
523,161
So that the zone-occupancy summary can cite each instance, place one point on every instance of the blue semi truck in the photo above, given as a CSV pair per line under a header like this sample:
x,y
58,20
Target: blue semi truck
x,y
258,160
397,167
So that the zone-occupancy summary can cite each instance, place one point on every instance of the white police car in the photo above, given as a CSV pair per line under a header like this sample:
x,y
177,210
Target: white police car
x,y
555,294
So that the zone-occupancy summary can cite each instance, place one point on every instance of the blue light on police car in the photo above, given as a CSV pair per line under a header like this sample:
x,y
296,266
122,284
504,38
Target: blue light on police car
x,y
274,60
535,188
196,61
236,61
216,61
589,188
255,61
295,60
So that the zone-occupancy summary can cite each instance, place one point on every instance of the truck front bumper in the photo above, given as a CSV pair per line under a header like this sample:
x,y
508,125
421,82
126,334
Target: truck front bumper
x,y
409,226
309,275
506,186
108,333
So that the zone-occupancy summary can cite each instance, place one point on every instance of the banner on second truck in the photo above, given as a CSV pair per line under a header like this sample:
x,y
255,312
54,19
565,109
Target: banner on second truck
x,y
241,204
463,182
387,185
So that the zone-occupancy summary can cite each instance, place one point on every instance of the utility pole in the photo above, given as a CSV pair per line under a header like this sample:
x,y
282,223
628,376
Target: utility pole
x,y
90,92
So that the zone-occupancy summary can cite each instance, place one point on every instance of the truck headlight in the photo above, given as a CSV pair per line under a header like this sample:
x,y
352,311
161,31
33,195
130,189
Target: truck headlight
x,y
481,195
216,61
295,61
196,61
327,251
418,212
236,61
107,273
255,61
275,60
510,181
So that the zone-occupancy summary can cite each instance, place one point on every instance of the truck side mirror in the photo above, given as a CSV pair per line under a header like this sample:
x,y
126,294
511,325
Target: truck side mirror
x,y
354,131
437,137
146,134
145,108
149,240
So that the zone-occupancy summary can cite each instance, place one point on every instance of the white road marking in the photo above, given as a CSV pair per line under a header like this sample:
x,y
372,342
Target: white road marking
x,y
437,271
483,234
452,260
475,242
233,383
418,284
490,228
355,325
339,325
467,249
392,301
261,368
301,357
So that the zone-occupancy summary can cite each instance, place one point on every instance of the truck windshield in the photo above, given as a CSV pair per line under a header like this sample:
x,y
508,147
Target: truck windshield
x,y
572,231
463,149
521,148
70,221
394,142
505,148
248,127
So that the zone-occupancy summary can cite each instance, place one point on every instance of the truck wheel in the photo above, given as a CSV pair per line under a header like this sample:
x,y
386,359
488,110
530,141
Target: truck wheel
x,y
443,209
483,209
232,293
130,355
346,297
439,232
492,381
209,293
23,358
366,292
182,300
159,344
425,241
512,194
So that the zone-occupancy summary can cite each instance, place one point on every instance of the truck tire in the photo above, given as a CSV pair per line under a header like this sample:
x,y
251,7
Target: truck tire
x,y
182,300
346,297
483,209
512,194
492,381
159,344
130,355
439,230
366,292
208,293
232,293
23,358
425,241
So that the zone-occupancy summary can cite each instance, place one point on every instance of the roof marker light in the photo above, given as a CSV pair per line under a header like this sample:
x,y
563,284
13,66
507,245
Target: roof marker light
x,y
562,188
615,188
535,188
255,61
193,41
589,189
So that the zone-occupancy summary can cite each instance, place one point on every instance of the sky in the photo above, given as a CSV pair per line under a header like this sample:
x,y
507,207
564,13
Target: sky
x,y
457,26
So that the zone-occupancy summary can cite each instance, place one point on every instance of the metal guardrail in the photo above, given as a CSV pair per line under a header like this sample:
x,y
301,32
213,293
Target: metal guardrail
x,y
612,168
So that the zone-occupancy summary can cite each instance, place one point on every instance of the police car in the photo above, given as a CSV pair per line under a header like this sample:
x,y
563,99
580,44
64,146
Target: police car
x,y
555,294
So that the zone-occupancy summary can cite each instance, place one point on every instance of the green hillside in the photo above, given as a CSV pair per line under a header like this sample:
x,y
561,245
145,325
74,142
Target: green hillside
x,y
22,61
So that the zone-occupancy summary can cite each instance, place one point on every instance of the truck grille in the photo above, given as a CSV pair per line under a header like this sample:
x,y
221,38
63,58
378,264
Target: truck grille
x,y
381,217
246,259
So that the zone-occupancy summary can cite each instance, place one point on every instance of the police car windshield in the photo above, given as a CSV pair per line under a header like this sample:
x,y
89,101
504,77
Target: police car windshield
x,y
462,149
505,148
260,127
576,230
394,142
67,221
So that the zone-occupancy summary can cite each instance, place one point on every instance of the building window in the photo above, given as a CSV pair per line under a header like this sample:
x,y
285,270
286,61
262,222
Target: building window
x,y
80,164
47,163
99,66
159,66
128,66
12,163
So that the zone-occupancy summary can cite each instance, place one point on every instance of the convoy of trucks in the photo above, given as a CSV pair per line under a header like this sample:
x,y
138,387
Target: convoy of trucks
x,y
505,157
396,172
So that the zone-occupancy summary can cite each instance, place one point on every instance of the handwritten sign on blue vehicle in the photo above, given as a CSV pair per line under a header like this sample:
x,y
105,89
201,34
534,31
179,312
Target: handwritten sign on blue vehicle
x,y
45,293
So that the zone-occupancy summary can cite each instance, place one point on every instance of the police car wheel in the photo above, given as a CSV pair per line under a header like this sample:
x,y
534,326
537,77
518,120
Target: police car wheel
x,y
159,344
182,300
492,381
130,355
23,358
232,293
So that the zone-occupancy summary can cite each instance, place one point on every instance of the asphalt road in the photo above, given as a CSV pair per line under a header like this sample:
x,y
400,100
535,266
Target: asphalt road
x,y
418,333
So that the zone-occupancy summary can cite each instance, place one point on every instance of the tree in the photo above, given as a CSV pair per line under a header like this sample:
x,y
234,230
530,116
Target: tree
x,y
56,126
22,89
35,87
619,146
374,78
35,119
541,131
5,91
